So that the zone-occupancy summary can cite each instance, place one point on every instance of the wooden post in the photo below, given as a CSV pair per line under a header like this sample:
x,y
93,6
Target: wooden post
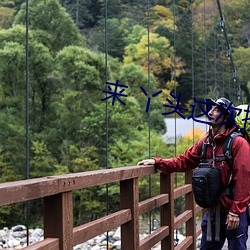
x,y
190,205
129,198
167,210
58,219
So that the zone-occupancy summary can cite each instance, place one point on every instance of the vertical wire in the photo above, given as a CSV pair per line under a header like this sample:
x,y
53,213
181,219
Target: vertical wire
x,y
106,76
229,54
215,52
174,76
223,70
27,89
175,92
27,207
229,82
205,51
149,122
192,73
234,90
221,47
174,79
77,13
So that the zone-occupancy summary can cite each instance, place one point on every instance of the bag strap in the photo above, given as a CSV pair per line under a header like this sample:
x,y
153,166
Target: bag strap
x,y
227,148
209,225
217,223
203,152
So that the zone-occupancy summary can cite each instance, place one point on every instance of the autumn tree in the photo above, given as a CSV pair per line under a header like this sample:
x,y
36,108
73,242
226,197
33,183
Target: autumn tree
x,y
161,61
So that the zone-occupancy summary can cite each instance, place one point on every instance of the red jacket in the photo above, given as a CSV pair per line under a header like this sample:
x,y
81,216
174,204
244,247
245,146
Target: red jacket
x,y
241,167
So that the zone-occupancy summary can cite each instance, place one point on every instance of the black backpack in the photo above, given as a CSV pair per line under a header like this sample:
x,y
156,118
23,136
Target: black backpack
x,y
206,180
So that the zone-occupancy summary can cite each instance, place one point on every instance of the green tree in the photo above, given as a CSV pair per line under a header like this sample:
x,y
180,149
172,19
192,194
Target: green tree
x,y
42,163
53,25
84,13
241,56
6,17
117,32
12,108
133,76
13,60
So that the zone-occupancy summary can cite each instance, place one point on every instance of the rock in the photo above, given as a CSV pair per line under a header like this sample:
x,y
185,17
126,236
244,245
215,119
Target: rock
x,y
111,239
18,247
18,234
100,238
3,233
38,232
91,242
117,244
117,235
23,240
18,228
111,233
103,243
13,240
80,246
13,243
95,248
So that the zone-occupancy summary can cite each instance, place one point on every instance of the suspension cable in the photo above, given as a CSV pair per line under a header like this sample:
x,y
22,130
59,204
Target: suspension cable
x,y
27,207
107,111
215,52
149,122
229,52
222,66
205,49
174,59
175,92
192,73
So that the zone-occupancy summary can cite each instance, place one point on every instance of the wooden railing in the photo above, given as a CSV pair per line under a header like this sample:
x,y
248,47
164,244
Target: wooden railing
x,y
56,192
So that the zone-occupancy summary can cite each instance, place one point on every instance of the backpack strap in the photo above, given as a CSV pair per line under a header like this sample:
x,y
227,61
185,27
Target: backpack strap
x,y
227,151
227,148
203,152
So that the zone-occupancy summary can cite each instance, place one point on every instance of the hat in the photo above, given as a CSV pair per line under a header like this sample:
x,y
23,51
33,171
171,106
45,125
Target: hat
x,y
222,102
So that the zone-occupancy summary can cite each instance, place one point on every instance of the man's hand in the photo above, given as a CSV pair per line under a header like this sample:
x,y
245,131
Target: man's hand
x,y
232,221
146,162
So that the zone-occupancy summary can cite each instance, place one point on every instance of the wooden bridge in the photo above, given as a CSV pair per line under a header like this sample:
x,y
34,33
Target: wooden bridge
x,y
56,192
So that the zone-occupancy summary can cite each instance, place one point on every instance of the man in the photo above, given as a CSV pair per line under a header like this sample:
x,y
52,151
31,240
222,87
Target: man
x,y
233,212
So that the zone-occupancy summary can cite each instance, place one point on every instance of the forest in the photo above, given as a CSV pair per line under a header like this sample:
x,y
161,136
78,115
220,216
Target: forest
x,y
174,48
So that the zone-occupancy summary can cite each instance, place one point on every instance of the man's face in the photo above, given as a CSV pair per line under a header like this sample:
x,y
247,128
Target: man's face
x,y
214,113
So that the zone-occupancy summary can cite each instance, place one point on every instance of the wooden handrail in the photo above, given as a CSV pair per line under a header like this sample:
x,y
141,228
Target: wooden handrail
x,y
24,190
56,191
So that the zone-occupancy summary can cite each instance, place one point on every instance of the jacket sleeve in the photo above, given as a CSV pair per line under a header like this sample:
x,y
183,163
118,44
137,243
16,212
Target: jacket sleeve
x,y
185,162
241,175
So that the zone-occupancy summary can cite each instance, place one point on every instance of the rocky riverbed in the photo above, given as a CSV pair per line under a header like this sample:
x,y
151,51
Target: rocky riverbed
x,y
16,238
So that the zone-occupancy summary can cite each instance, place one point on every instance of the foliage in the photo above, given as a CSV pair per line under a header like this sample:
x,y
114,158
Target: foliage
x,y
117,29
71,129
84,13
133,76
161,16
6,17
53,25
189,139
242,63
42,163
160,56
